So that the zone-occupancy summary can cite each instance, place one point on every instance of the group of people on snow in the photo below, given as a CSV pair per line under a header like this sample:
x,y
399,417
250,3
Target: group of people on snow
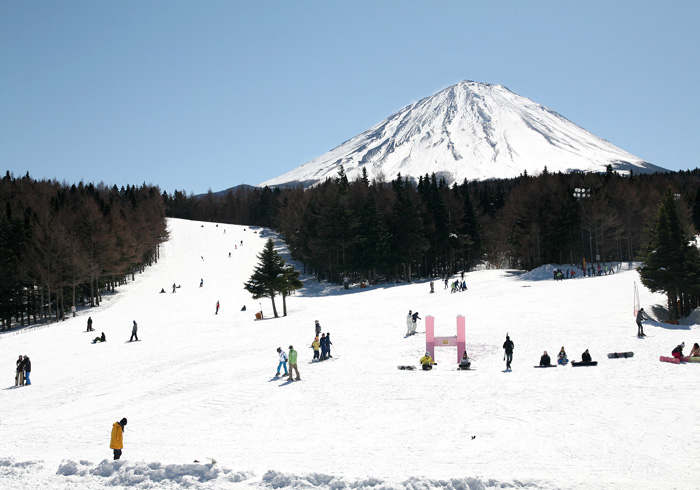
x,y
322,347
562,358
24,369
677,352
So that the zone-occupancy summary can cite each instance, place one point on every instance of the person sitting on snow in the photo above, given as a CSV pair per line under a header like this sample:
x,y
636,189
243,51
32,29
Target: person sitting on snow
x,y
102,338
695,351
561,358
427,362
464,363
545,360
586,356
678,351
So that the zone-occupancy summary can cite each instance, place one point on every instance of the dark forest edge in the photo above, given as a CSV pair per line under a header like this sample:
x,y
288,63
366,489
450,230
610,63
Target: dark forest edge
x,y
62,247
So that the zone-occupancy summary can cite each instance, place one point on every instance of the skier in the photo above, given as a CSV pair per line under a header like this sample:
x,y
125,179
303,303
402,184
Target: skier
x,y
508,345
586,356
102,338
316,345
677,353
545,360
134,329
409,322
561,357
217,308
317,328
695,351
117,441
19,377
27,366
641,315
89,325
283,362
464,363
293,364
414,322
426,362
324,347
329,343
201,283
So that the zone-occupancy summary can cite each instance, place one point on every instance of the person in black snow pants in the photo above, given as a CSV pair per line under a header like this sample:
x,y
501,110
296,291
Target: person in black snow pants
x,y
324,347
317,328
508,346
134,329
89,325
328,345
641,316
19,377
27,370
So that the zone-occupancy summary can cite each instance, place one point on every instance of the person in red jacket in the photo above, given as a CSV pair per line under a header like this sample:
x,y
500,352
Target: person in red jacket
x,y
117,441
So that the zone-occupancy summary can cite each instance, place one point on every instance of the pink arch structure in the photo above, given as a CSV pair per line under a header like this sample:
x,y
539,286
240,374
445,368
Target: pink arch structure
x,y
431,341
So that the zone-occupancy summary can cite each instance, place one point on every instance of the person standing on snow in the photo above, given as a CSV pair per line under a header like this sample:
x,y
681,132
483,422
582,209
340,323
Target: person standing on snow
x,y
27,365
134,329
414,322
317,328
89,325
19,377
217,308
324,347
293,364
508,345
283,362
117,441
409,322
316,345
329,343
641,316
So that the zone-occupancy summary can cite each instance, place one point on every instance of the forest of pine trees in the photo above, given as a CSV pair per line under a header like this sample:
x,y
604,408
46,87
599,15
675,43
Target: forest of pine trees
x,y
63,246
402,229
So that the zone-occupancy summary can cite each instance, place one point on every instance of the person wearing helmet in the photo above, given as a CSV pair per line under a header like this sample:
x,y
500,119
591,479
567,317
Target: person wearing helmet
x,y
426,362
283,362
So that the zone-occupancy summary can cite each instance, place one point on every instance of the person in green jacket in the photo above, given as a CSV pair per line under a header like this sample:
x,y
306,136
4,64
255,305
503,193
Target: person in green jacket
x,y
293,364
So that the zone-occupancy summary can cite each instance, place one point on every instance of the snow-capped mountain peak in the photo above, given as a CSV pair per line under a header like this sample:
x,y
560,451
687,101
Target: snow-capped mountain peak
x,y
473,131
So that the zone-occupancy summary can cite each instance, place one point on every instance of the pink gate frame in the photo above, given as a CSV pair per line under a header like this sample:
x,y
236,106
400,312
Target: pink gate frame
x,y
431,341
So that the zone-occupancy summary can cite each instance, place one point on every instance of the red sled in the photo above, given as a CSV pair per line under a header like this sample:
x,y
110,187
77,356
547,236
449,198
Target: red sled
x,y
672,360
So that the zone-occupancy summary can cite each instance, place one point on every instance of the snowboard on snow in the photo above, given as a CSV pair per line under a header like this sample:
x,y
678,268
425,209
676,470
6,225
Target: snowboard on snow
x,y
694,359
548,365
407,368
617,355
584,363
672,360
461,368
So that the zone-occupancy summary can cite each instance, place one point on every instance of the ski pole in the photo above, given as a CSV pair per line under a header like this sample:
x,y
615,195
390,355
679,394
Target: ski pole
x,y
336,352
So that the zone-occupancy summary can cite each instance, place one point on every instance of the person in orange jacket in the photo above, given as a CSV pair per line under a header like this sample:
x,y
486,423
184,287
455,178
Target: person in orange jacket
x,y
117,441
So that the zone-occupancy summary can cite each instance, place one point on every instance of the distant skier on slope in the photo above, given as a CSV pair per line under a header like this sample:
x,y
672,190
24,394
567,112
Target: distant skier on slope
x,y
317,328
508,345
283,362
293,364
134,329
316,345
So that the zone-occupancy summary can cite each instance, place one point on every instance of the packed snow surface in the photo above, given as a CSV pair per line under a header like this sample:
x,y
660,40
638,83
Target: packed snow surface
x,y
200,386
473,131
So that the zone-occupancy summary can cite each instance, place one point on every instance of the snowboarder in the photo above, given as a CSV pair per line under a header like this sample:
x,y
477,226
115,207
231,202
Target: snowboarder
x,y
201,283
317,328
432,287
545,360
101,338
283,362
174,287
561,357
134,329
641,315
19,377
316,345
117,441
293,364
426,362
695,351
508,345
27,366
677,353
89,325
464,363
586,356
409,322
217,308
414,322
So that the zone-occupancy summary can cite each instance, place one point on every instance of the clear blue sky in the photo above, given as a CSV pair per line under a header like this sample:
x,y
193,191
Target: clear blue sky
x,y
193,95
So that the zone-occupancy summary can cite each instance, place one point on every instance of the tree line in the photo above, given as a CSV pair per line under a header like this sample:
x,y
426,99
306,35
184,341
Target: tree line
x,y
405,229
61,245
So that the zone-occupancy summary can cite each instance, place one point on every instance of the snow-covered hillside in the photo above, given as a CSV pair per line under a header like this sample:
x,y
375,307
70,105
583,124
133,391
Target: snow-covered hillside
x,y
473,131
200,385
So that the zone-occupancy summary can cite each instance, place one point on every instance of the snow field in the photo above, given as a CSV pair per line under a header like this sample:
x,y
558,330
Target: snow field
x,y
201,385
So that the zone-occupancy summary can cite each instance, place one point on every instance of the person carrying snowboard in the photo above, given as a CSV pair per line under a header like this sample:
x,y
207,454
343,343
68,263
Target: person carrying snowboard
x,y
116,442
283,362
426,362
677,352
134,329
545,360
508,345
19,376
641,316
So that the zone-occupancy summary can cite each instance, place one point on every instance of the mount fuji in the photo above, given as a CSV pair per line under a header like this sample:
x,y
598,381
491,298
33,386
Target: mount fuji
x,y
473,131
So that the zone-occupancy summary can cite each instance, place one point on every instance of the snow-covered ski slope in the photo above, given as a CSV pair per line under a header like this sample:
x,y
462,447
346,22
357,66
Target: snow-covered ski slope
x,y
199,386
